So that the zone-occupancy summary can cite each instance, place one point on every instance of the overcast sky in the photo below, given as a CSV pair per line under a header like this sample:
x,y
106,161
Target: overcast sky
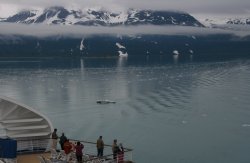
x,y
242,7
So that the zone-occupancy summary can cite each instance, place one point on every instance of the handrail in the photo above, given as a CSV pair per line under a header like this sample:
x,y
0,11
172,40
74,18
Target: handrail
x,y
39,145
127,151
107,145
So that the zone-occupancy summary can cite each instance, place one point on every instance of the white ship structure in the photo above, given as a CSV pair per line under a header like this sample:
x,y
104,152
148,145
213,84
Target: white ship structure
x,y
21,122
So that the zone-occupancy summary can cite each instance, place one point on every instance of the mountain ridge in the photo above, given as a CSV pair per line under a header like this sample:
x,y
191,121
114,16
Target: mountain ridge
x,y
215,21
101,17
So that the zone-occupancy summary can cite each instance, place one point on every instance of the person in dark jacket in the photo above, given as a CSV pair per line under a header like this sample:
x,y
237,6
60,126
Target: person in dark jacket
x,y
63,138
100,146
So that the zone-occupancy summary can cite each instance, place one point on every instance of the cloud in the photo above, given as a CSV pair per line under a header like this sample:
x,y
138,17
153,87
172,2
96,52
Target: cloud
x,y
39,30
8,9
191,6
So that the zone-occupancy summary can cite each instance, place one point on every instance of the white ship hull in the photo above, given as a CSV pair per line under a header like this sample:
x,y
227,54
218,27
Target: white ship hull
x,y
21,122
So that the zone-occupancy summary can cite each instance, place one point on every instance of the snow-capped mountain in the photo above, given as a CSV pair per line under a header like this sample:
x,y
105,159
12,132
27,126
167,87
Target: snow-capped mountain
x,y
239,21
215,21
101,17
59,41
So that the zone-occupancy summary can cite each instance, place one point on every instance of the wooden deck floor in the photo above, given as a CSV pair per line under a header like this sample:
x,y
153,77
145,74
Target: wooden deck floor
x,y
31,158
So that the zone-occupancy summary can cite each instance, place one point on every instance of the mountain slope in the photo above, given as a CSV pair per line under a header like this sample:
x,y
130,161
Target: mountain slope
x,y
214,21
100,17
185,47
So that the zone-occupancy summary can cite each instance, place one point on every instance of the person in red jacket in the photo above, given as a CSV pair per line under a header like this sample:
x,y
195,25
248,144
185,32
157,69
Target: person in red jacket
x,y
120,157
67,149
79,147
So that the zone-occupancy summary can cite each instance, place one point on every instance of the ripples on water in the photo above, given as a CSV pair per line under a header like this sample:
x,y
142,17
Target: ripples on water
x,y
186,112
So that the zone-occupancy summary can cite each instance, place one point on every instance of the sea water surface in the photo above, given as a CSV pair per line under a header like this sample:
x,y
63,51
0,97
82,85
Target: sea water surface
x,y
176,112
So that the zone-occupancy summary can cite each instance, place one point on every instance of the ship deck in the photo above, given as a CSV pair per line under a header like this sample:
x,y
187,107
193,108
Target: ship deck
x,y
58,156
31,158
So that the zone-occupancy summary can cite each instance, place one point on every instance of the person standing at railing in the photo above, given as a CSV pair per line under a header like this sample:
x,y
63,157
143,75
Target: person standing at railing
x,y
115,149
62,140
79,147
54,139
100,147
120,157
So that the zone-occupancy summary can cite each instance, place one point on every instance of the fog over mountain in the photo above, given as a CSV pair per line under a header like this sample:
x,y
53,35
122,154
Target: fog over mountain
x,y
40,40
40,30
9,7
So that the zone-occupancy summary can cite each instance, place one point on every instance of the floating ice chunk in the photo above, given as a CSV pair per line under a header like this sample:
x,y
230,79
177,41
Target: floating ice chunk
x,y
121,54
191,51
176,52
194,37
184,122
120,46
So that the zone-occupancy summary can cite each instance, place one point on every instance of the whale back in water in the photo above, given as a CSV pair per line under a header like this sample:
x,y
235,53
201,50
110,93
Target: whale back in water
x,y
105,102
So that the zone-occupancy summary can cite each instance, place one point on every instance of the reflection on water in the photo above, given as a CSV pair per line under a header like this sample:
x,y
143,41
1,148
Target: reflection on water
x,y
121,62
167,111
175,58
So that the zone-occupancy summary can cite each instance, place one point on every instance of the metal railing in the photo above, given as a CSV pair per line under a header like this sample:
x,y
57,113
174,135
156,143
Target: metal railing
x,y
33,145
89,151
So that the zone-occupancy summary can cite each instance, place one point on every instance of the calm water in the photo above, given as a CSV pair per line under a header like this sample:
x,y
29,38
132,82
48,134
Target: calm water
x,y
193,112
